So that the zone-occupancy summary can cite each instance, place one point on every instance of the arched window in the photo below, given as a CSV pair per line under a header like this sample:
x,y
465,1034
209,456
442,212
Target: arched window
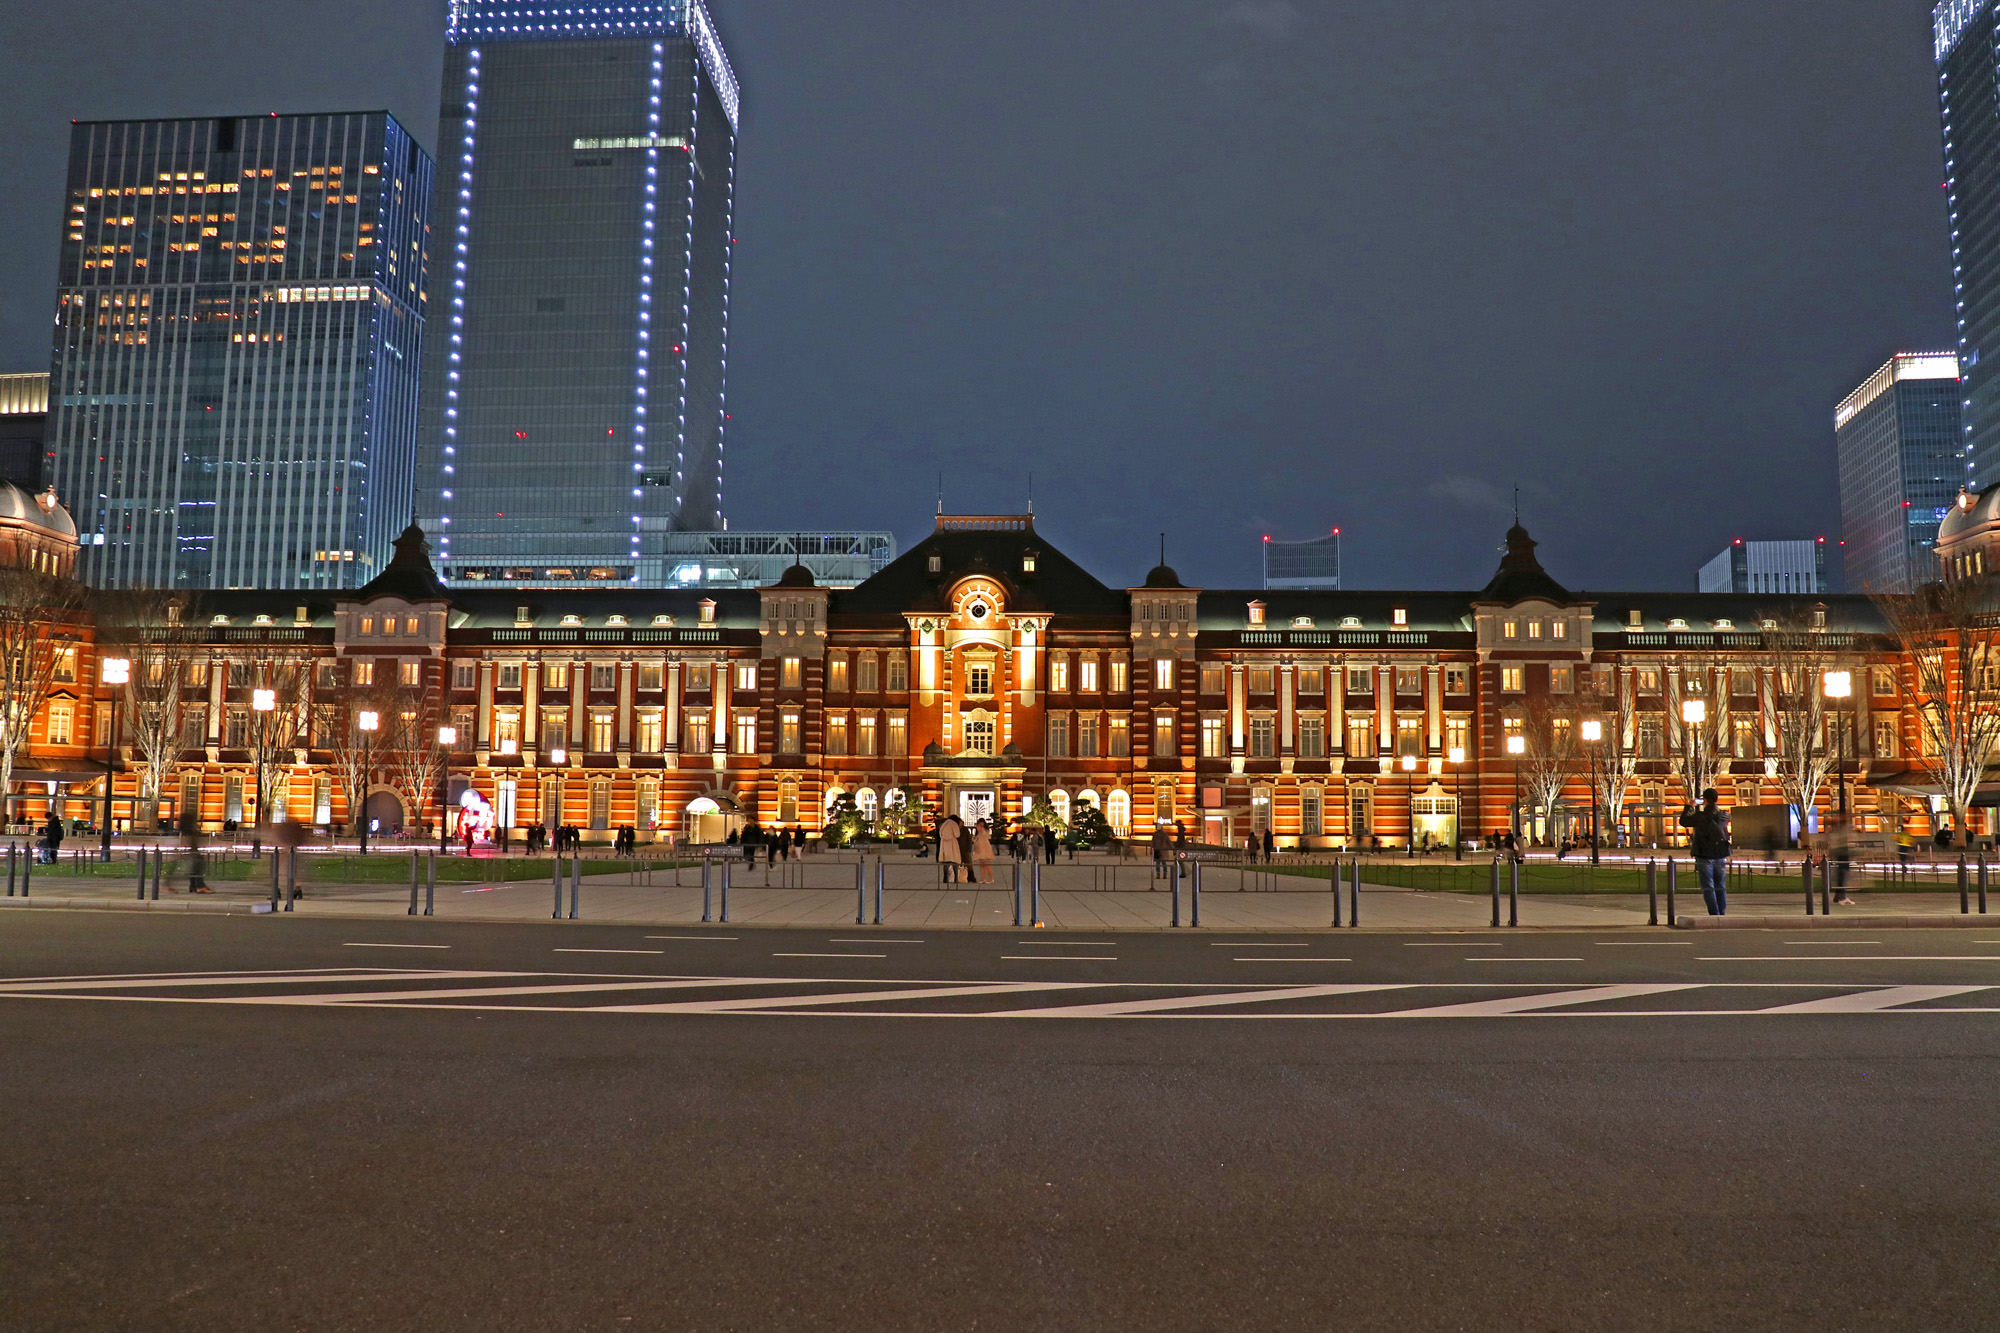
x,y
1060,800
864,801
833,794
1163,802
1118,811
788,802
1260,809
1088,796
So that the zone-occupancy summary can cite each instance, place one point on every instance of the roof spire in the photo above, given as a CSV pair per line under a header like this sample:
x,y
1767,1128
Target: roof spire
x,y
1031,492
940,492
1517,504
1163,548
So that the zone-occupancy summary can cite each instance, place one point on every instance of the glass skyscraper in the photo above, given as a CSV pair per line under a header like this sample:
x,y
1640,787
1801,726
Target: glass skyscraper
x,y
1902,460
574,399
239,326
1967,48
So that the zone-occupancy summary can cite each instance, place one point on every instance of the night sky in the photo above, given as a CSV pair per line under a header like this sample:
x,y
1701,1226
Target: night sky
x,y
1222,269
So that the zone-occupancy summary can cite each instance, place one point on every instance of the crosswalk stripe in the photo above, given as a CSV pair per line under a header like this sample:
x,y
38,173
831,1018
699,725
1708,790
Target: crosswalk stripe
x,y
1521,1004
481,992
234,979
1116,1008
850,997
1870,1001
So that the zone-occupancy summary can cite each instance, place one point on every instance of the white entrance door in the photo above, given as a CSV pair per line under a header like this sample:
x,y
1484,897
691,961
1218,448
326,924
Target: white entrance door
x,y
975,804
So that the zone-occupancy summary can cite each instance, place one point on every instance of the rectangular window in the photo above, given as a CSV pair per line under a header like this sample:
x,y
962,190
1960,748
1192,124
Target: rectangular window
x,y
198,673
864,734
1214,678
409,673
1120,673
1457,680
1312,680
1312,738
364,673
1882,681
555,730
235,727
1163,673
1309,812
791,673
464,675
746,678
510,676
836,674
603,676
1742,681
979,680
652,732
1649,680
1511,679
1262,680
1086,736
603,727
507,731
1457,735
62,724
367,624
1163,735
555,676
1409,736
410,625
239,672
698,677
1558,629
746,733
899,672
1059,737
1360,738
1745,730
788,732
652,676
1885,738
1534,629
836,733
1409,680
1086,673
1260,737
899,736
1361,680
1511,629
1562,679
867,675
1121,738
1059,672
1651,746
979,736
1212,744
696,741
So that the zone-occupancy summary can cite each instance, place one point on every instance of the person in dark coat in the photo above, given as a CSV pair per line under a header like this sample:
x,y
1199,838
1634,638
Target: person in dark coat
x,y
1270,846
1708,838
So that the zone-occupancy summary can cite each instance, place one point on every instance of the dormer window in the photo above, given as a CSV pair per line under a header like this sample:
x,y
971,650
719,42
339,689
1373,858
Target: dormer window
x,y
1725,624
936,563
299,615
1028,562
522,615
1256,613
1819,618
1399,617
615,620
262,620
571,621
219,620
1635,620
707,611
1677,623
663,621
1302,622
1350,622
1770,624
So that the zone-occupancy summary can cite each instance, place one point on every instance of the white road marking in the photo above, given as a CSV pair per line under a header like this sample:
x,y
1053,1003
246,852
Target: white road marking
x,y
1853,958
691,937
1455,944
1864,1002
1639,944
873,940
1520,1004
1248,944
1072,944
1830,941
755,1002
369,944
1057,958
829,955
391,997
1115,1008
644,951
10,987
1291,958
1524,960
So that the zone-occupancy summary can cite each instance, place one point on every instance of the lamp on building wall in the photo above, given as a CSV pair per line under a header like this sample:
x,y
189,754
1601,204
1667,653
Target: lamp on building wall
x,y
368,721
1517,745
1592,732
447,737
1456,756
111,671
1839,685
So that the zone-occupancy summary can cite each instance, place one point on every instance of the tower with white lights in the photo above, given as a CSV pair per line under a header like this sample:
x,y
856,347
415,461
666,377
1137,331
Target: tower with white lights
x,y
580,295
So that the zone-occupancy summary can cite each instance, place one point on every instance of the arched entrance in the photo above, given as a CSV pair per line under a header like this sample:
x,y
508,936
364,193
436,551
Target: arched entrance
x,y
711,819
384,811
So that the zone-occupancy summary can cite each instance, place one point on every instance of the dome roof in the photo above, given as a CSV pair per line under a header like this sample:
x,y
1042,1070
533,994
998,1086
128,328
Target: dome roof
x,y
1971,511
798,576
40,511
1162,576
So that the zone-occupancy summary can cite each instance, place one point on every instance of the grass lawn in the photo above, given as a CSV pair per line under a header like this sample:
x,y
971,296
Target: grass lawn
x,y
376,868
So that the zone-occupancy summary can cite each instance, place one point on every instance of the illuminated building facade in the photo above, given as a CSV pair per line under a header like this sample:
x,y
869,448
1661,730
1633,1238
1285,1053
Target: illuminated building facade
x,y
238,344
575,395
1902,460
24,409
1763,567
1968,61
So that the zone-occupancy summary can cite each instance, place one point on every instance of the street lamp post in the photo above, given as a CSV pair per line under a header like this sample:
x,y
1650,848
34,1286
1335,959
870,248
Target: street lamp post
x,y
1517,745
111,671
1457,756
1694,712
262,702
1592,732
368,722
1410,768
1840,685
447,737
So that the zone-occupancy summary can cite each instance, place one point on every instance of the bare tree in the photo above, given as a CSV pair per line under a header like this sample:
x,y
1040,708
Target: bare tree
x,y
1612,760
1800,653
1700,748
356,757
38,636
274,735
1549,759
1950,636
416,760
149,628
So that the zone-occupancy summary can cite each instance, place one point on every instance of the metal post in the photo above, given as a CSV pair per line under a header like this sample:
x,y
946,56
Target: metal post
x,y
707,873
1035,897
1174,887
1982,884
139,856
726,864
1652,893
1513,891
291,877
575,880
860,893
1354,906
159,872
27,868
1017,893
1496,893
1194,894
430,883
1333,872
14,851
1806,868
413,884
275,858
556,873
1825,887
880,875
1964,906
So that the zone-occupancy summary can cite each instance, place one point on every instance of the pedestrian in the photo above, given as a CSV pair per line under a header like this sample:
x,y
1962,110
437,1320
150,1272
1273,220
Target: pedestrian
x,y
52,838
197,869
950,855
1270,846
1708,834
465,834
770,851
1049,846
1159,851
982,853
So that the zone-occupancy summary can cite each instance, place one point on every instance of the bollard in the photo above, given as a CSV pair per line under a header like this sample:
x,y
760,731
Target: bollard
x,y
1652,893
413,884
880,874
1194,894
1017,893
1513,891
1982,884
707,871
860,893
1673,894
274,880
1354,905
575,881
27,868
1806,867
556,874
1825,887
139,855
1964,906
1174,889
291,877
430,882
725,890
1035,897
1496,893
12,850
1333,873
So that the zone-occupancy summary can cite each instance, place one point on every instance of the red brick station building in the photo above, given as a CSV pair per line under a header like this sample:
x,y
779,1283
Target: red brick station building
x,y
980,671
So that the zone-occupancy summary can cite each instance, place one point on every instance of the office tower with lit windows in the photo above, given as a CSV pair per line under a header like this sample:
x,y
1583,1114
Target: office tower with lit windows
x,y
238,345
1313,563
1967,48
574,396
1902,460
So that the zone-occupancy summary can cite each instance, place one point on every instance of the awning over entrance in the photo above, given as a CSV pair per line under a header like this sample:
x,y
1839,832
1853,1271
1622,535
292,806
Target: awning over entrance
x,y
70,772
1918,783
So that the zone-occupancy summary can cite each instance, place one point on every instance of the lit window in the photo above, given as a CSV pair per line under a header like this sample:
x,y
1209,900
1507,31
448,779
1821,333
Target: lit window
x,y
1510,678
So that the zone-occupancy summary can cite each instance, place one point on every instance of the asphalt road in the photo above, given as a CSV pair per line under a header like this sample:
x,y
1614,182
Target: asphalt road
x,y
743,1129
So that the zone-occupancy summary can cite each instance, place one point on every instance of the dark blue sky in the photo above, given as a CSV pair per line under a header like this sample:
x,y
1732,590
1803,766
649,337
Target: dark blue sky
x,y
1223,269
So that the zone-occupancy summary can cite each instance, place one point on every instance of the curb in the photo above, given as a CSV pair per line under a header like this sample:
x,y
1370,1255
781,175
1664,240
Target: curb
x,y
1848,922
